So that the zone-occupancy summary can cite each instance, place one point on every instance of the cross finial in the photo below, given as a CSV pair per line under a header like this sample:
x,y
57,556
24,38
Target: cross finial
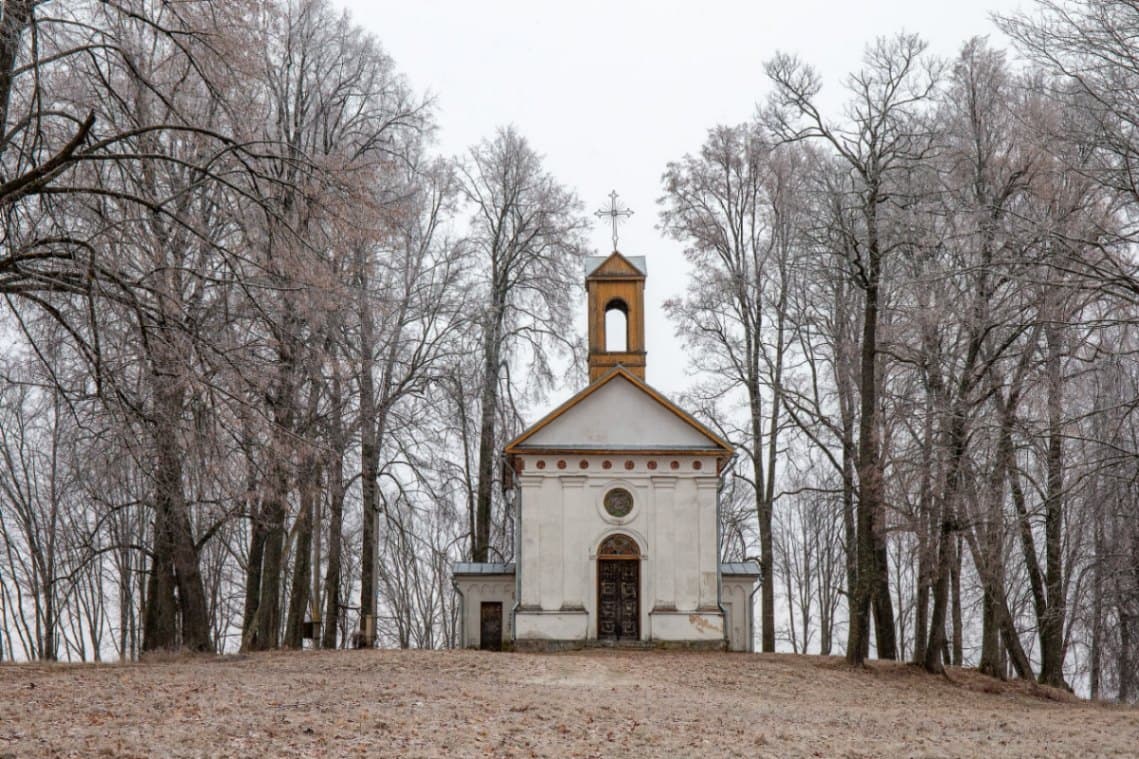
x,y
615,211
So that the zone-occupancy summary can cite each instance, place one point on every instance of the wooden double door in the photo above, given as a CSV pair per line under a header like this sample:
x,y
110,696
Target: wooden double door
x,y
618,599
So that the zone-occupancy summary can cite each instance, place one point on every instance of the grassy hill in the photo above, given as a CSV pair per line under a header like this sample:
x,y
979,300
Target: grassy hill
x,y
602,703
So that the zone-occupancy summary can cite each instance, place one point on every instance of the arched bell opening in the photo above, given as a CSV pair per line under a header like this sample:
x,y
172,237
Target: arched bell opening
x,y
616,326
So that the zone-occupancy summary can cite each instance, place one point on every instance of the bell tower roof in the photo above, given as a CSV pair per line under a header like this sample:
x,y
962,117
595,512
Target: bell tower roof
x,y
593,263
616,283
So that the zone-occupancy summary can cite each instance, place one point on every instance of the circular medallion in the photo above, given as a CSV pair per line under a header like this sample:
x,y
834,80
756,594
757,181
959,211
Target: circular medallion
x,y
618,502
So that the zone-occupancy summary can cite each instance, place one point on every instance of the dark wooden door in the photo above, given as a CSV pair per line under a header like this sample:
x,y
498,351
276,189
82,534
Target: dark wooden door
x,y
490,627
619,612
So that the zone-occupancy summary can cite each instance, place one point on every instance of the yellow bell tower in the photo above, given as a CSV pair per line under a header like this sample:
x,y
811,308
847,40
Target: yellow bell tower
x,y
616,284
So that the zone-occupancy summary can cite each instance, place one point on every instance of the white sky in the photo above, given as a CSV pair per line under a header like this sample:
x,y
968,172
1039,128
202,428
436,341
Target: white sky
x,y
609,92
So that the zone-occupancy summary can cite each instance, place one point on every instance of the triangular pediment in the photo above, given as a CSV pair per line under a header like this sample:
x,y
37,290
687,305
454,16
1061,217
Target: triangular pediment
x,y
620,413
615,265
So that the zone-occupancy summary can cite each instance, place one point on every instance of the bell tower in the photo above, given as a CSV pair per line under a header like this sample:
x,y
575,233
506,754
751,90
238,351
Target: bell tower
x,y
616,292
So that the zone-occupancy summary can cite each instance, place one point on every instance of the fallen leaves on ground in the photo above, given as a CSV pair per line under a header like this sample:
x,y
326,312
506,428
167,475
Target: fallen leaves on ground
x,y
595,703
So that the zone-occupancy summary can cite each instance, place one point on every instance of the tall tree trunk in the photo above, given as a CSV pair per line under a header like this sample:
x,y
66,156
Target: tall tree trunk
x,y
160,613
369,500
1127,674
1052,624
480,549
266,627
948,521
872,582
763,511
1095,666
849,464
176,556
300,586
257,534
955,607
884,625
16,18
926,537
335,528
767,555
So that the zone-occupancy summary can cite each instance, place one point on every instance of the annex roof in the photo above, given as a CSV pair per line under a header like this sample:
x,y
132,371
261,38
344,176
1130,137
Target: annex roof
x,y
483,568
740,569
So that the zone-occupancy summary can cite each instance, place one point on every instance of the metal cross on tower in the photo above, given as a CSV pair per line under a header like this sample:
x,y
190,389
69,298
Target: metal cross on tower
x,y
615,211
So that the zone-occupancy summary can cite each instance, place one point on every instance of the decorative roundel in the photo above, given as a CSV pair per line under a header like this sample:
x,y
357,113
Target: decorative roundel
x,y
618,502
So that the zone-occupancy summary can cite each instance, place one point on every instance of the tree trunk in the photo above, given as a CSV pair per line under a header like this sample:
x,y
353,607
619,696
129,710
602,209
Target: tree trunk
x,y
872,584
884,631
335,528
934,654
763,517
265,631
955,608
480,549
300,588
176,561
17,16
1095,666
160,614
191,591
369,457
1052,623
1126,667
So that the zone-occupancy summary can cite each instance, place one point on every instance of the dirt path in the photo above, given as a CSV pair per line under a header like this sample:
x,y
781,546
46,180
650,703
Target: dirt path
x,y
596,703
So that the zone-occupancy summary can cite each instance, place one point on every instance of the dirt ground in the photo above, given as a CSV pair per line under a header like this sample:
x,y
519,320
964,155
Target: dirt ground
x,y
597,703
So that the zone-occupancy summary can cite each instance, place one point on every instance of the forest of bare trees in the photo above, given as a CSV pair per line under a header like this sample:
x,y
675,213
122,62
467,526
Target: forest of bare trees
x,y
262,343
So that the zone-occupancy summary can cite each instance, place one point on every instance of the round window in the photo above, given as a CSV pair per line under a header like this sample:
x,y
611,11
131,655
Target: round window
x,y
618,502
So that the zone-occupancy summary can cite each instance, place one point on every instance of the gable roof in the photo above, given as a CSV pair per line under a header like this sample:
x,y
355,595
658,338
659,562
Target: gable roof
x,y
649,423
615,264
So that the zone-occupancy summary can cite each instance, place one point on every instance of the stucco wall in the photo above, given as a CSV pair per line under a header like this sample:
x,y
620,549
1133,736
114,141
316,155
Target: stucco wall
x,y
475,589
619,414
563,521
736,599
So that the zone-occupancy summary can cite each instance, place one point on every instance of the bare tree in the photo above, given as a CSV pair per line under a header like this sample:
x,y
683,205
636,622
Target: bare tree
x,y
526,242
888,133
737,207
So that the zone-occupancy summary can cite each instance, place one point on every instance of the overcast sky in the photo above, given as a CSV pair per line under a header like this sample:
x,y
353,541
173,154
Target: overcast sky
x,y
609,92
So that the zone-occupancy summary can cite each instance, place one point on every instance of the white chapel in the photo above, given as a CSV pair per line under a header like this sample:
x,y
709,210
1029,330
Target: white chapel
x,y
616,497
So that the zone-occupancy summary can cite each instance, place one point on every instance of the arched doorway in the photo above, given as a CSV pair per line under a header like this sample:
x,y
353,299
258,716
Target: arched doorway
x,y
618,589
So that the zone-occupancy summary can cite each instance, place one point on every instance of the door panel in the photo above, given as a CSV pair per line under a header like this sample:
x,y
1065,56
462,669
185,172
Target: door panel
x,y
490,627
618,587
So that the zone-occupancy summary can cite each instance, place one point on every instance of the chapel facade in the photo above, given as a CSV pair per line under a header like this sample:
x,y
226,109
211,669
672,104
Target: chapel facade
x,y
616,505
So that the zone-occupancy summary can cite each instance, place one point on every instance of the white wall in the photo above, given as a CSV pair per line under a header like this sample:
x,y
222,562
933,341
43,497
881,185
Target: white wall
x,y
563,521
475,589
619,414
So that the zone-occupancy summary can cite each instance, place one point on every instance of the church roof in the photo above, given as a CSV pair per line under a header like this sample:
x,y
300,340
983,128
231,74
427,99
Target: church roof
x,y
619,413
616,264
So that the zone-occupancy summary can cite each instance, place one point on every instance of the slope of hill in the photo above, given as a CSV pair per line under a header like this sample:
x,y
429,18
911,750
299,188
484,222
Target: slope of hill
x,y
591,703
